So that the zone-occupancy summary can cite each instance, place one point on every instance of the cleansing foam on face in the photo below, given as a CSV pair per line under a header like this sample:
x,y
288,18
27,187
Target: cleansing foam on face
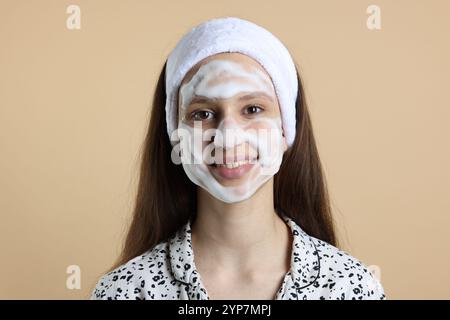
x,y
215,165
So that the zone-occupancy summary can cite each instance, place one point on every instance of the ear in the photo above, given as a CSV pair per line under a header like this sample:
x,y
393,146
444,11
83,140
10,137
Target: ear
x,y
284,144
283,141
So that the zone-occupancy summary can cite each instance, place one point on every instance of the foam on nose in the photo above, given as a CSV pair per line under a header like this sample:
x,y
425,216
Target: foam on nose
x,y
229,134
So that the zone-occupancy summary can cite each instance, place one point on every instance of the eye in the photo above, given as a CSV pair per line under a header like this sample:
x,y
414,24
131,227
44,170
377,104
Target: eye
x,y
201,115
253,108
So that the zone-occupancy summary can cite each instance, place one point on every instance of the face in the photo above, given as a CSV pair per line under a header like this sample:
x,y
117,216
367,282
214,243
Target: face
x,y
229,125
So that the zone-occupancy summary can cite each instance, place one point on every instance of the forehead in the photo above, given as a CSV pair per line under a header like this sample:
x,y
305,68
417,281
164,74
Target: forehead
x,y
244,61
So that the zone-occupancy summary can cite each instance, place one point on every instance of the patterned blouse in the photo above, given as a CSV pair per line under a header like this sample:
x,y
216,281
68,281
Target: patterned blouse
x,y
167,271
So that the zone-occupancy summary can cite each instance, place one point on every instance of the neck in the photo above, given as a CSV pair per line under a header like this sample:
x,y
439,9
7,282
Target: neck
x,y
237,235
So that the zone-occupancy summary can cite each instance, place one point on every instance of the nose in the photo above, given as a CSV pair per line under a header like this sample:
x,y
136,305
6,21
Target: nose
x,y
228,134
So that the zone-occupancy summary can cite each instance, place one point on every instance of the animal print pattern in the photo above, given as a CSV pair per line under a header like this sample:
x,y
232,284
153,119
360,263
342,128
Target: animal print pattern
x,y
167,271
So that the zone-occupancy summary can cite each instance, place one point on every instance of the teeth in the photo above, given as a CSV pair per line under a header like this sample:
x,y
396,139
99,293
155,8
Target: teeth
x,y
232,165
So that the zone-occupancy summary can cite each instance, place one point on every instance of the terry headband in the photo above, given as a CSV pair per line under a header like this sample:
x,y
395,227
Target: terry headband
x,y
233,34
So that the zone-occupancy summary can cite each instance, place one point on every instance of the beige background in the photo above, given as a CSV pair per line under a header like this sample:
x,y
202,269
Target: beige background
x,y
74,106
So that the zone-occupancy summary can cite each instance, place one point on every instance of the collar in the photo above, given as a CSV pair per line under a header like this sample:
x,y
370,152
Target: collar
x,y
305,265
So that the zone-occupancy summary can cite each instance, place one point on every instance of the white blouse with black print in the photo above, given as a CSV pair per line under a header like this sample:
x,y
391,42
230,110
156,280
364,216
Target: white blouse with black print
x,y
318,271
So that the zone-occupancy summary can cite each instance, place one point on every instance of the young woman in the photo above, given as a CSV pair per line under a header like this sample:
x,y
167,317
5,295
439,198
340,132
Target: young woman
x,y
232,202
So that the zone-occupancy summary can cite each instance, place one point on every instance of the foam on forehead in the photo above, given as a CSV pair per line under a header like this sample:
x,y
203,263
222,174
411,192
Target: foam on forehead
x,y
232,34
223,79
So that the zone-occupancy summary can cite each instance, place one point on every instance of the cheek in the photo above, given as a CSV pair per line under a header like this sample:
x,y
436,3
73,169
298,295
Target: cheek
x,y
265,128
258,126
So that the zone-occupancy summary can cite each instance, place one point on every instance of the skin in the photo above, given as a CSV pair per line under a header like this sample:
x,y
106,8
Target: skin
x,y
252,124
237,245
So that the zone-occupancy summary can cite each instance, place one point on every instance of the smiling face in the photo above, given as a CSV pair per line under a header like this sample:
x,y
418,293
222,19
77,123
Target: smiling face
x,y
232,141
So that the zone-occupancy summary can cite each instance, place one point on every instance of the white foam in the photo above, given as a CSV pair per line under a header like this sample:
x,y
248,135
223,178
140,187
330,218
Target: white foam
x,y
222,79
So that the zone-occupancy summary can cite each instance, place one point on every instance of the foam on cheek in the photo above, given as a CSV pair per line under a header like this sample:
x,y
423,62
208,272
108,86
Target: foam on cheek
x,y
269,146
270,152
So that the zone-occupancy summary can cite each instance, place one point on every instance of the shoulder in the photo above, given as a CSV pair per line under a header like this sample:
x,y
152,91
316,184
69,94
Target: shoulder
x,y
343,276
138,278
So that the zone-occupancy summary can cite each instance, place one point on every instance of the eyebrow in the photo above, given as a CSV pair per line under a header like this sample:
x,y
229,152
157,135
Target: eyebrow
x,y
258,94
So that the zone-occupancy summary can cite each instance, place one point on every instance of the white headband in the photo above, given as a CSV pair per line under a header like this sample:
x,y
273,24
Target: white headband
x,y
233,34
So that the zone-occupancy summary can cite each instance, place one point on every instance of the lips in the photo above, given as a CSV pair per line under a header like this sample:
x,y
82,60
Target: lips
x,y
233,169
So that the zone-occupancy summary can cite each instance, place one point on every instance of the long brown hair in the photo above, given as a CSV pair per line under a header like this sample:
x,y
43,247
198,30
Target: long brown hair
x,y
166,198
